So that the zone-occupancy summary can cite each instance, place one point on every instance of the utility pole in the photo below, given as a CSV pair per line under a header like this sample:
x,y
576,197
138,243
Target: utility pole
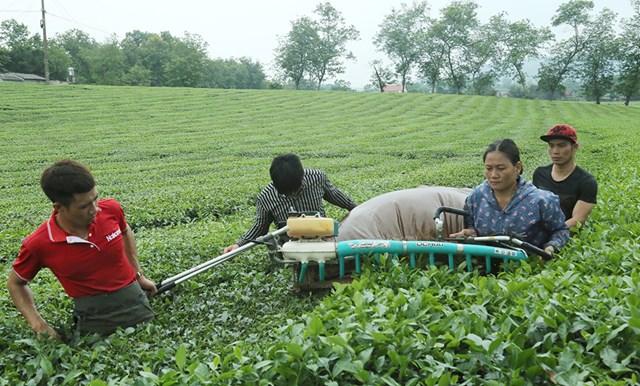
x,y
43,25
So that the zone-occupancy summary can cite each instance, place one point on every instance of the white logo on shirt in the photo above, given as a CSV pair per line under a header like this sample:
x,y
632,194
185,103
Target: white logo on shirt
x,y
114,235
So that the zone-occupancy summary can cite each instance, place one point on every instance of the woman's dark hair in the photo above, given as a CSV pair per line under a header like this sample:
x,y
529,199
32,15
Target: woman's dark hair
x,y
61,181
286,173
507,147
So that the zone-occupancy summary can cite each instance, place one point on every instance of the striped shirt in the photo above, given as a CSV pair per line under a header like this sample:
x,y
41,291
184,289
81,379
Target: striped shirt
x,y
272,207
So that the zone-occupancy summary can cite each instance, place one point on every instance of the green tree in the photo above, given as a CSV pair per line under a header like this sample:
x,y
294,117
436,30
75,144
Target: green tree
x,y
59,62
339,85
107,63
481,54
254,74
137,76
454,33
517,43
596,65
132,46
185,67
151,51
332,37
629,42
295,50
562,62
4,58
24,52
432,62
13,34
77,45
382,75
219,73
234,74
402,36
154,54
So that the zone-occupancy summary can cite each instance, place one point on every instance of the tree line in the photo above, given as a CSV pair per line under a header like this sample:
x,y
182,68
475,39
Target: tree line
x,y
457,53
139,59
452,53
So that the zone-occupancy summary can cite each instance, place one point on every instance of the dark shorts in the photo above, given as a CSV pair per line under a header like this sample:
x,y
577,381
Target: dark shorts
x,y
104,313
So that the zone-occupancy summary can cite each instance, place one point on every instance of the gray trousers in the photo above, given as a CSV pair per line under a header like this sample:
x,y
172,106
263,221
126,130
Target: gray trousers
x,y
104,313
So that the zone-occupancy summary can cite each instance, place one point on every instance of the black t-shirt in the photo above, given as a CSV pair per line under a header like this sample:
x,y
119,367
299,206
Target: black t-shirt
x,y
580,185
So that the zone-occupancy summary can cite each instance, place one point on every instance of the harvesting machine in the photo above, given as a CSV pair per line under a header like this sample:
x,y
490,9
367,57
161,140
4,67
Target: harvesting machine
x,y
309,244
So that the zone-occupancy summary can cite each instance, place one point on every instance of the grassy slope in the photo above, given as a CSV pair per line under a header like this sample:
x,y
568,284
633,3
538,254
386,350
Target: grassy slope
x,y
187,165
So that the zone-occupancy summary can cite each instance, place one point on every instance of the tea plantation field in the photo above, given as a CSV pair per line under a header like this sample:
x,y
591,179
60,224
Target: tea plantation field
x,y
187,165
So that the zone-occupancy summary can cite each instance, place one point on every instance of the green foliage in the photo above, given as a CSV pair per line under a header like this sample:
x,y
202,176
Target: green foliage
x,y
24,51
107,64
237,74
596,66
629,82
402,37
517,42
457,33
381,77
140,59
333,34
561,63
293,54
76,44
315,46
187,165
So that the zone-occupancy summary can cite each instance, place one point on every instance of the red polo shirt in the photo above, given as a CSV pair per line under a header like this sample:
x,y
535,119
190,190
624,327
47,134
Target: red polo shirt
x,y
83,267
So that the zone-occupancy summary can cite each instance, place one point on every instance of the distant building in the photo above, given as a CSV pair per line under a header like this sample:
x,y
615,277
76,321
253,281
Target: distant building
x,y
397,88
10,78
18,77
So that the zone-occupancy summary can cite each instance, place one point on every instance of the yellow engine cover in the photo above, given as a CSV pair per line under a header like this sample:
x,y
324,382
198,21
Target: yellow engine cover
x,y
311,227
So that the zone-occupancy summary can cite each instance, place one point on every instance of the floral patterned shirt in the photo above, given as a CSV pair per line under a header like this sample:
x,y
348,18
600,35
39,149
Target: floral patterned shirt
x,y
533,215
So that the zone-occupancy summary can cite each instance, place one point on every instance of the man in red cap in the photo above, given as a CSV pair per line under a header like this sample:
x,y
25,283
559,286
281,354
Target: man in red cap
x,y
576,187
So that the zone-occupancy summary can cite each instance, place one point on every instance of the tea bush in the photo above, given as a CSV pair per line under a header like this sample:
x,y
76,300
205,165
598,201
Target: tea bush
x,y
187,165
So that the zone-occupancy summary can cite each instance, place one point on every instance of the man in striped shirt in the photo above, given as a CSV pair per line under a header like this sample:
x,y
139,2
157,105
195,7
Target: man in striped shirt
x,y
293,189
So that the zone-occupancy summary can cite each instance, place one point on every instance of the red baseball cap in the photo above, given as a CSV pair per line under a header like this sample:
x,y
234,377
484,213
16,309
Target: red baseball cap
x,y
561,132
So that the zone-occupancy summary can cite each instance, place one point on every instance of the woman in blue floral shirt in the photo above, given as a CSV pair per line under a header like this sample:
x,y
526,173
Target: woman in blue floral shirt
x,y
506,204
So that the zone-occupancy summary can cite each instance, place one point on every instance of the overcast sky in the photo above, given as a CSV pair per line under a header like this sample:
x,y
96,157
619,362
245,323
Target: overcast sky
x,y
237,28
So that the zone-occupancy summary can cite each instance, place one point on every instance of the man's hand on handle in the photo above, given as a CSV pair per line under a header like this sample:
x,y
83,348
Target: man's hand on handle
x,y
230,248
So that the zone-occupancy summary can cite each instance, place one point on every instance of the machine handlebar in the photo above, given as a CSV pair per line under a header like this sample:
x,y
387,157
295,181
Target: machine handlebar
x,y
502,239
447,209
532,248
164,287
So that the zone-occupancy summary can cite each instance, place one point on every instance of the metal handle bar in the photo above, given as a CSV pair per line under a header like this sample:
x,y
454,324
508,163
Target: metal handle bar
x,y
532,248
440,223
512,240
447,209
171,282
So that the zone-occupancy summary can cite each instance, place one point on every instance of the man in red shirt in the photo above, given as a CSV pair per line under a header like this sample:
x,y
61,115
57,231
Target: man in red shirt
x,y
91,249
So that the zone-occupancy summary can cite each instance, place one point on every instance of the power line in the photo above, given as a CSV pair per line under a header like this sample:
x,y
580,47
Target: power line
x,y
28,9
77,23
72,21
18,1
65,10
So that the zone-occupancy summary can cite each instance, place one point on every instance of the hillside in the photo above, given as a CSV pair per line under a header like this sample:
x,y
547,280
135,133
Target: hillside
x,y
187,164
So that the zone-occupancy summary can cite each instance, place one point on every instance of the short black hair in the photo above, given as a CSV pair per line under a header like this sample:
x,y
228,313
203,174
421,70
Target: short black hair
x,y
65,178
286,173
507,147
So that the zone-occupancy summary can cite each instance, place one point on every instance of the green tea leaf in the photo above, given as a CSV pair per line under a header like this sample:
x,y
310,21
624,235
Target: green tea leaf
x,y
181,356
295,350
315,326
